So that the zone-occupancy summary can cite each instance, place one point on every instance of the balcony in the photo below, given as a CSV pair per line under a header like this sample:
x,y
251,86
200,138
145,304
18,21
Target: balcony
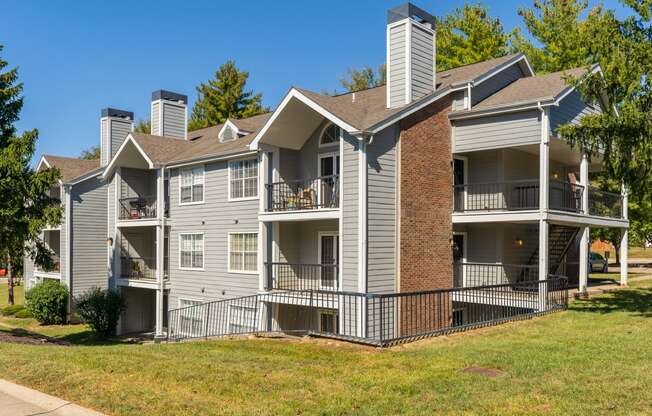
x,y
141,268
605,204
137,208
303,194
486,274
296,276
516,196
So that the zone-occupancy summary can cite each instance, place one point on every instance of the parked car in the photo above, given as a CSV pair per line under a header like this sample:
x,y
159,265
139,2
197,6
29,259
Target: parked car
x,y
597,263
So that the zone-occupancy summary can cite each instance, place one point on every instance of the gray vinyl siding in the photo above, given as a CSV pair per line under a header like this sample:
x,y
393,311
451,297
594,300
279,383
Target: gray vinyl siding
x,y
571,110
137,183
509,165
499,131
88,220
397,65
458,100
105,150
174,120
156,111
299,241
119,131
216,217
381,212
350,212
496,83
423,62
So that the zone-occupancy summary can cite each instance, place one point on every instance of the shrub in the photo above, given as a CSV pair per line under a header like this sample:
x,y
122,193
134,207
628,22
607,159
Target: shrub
x,y
47,302
23,313
100,309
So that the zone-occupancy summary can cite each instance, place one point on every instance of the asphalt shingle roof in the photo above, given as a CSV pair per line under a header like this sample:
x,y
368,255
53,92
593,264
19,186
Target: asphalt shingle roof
x,y
71,167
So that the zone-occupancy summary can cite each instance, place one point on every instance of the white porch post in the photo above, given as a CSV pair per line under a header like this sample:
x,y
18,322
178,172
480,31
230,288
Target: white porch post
x,y
160,251
584,230
624,242
544,184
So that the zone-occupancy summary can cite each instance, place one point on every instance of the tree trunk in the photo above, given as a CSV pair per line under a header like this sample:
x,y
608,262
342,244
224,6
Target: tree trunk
x,y
10,281
617,249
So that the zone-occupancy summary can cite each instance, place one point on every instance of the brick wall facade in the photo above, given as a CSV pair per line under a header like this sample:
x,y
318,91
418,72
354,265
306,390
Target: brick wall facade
x,y
426,187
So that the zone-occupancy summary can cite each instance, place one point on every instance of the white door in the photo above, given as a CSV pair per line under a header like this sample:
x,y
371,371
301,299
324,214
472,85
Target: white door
x,y
328,256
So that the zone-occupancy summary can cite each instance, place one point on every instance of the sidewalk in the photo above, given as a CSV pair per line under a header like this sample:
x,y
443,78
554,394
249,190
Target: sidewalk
x,y
16,400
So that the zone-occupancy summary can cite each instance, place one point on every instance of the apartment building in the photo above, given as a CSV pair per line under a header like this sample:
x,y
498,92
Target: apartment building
x,y
435,180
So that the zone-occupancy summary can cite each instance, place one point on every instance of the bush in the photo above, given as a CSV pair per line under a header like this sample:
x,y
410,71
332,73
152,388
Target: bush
x,y
100,309
48,302
23,313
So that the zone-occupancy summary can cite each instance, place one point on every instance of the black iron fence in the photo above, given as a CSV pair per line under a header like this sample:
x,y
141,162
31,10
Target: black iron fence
x,y
137,208
298,276
480,274
375,319
516,195
605,204
304,194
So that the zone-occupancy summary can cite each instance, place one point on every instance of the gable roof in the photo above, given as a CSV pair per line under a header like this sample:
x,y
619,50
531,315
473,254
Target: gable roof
x,y
367,108
70,167
530,89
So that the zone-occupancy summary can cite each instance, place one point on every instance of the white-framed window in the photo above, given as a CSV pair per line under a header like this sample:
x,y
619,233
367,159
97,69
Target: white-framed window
x,y
191,320
242,319
191,185
243,252
191,251
243,179
330,135
328,322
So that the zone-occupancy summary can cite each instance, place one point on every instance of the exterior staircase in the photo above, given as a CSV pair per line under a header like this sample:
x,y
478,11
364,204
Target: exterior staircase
x,y
560,240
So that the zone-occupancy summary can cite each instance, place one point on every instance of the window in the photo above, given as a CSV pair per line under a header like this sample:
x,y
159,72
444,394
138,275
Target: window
x,y
242,319
191,320
192,185
191,251
243,252
330,135
328,322
243,179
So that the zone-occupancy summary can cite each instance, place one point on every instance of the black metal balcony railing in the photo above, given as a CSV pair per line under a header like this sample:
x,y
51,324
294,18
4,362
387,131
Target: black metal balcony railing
x,y
137,208
304,194
138,268
605,204
484,274
516,195
295,276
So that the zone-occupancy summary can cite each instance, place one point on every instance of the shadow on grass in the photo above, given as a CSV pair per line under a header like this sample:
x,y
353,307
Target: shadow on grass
x,y
638,301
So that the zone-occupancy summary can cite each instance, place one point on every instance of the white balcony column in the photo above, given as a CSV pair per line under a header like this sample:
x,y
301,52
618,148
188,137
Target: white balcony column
x,y
543,262
624,242
584,181
160,250
544,163
584,258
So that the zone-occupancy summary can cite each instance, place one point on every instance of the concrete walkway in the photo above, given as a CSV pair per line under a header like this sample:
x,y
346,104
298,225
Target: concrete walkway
x,y
17,400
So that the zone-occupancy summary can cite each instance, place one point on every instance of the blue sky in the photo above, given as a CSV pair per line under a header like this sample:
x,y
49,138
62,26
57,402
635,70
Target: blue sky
x,y
75,60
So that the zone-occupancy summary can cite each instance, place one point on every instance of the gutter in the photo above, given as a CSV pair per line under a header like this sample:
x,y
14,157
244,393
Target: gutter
x,y
209,158
500,109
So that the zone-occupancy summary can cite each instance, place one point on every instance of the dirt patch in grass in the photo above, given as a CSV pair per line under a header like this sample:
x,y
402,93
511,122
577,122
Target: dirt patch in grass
x,y
484,371
20,336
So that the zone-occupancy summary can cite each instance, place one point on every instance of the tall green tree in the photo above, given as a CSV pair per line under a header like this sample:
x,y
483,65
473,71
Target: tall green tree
x,y
556,29
91,153
143,126
25,206
224,97
362,79
469,35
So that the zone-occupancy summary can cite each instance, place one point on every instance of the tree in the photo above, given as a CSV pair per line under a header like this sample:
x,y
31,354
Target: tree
x,y
143,126
557,26
224,97
469,35
362,79
91,153
25,206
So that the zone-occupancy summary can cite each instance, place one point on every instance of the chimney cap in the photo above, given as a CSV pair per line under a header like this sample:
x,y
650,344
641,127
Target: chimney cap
x,y
409,10
113,112
169,95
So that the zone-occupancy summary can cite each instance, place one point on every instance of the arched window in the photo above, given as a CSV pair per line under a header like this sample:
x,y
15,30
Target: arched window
x,y
330,135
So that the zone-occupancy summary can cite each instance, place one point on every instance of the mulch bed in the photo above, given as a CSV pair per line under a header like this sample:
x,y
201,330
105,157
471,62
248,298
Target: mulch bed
x,y
20,336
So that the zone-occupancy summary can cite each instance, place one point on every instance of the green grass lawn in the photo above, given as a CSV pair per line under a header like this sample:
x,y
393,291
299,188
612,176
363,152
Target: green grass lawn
x,y
591,359
19,298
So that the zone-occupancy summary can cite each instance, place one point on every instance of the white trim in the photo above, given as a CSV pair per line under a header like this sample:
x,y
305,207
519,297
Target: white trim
x,y
503,67
362,217
465,251
340,223
68,225
203,196
388,66
228,252
310,214
244,198
464,159
321,156
43,160
130,138
338,260
209,159
321,135
228,123
294,93
408,61
203,257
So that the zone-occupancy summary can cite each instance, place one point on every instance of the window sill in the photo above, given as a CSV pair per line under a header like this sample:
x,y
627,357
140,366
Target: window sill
x,y
242,272
183,204
251,198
